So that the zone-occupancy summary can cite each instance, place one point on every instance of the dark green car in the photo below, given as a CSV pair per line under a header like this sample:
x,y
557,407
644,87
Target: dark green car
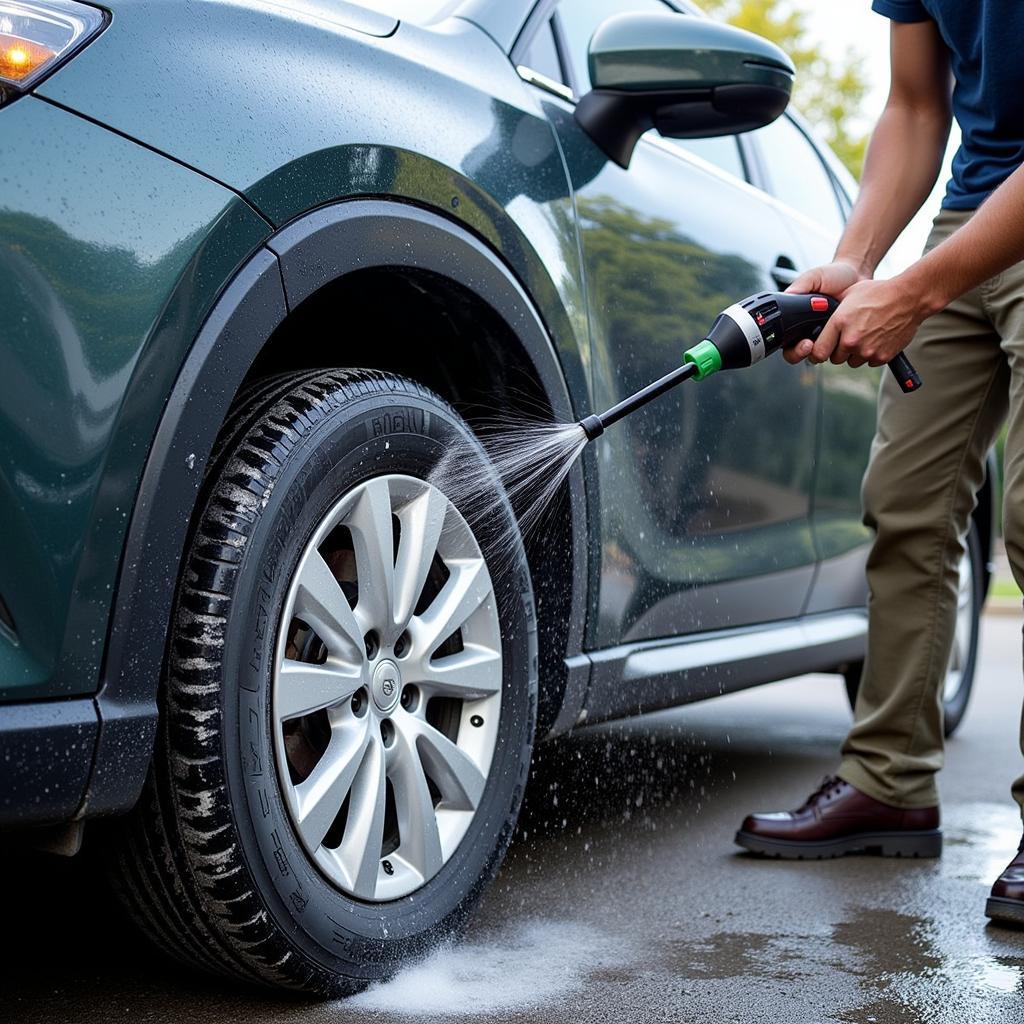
x,y
262,264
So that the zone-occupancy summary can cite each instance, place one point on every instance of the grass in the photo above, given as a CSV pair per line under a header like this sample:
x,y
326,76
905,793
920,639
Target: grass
x,y
1004,587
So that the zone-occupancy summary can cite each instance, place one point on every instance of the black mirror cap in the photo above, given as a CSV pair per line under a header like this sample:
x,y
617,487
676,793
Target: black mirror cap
x,y
731,110
616,120
686,76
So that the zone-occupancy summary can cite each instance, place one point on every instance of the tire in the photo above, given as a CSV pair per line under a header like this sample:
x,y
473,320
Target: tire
x,y
964,657
220,863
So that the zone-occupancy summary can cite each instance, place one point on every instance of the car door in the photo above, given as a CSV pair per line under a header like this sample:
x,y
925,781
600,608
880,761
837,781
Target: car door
x,y
704,496
814,206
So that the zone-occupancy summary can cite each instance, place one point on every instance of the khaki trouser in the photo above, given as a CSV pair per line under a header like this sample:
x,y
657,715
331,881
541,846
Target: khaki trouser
x,y
927,464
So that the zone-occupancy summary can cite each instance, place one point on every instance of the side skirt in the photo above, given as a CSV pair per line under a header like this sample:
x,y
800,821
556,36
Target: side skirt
x,y
635,678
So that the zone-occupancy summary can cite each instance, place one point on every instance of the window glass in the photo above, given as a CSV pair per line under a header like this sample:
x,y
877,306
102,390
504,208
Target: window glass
x,y
542,55
723,152
797,175
580,19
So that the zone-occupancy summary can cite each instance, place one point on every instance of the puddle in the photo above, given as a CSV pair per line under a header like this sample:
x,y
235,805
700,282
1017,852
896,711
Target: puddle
x,y
739,955
980,839
540,964
915,972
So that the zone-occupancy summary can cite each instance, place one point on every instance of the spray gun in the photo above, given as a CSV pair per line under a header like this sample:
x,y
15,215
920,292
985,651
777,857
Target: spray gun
x,y
743,335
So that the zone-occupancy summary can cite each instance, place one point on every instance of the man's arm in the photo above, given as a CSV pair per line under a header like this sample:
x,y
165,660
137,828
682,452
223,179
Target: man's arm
x,y
901,168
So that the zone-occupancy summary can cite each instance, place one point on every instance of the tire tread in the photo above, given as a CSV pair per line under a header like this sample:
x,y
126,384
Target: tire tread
x,y
178,867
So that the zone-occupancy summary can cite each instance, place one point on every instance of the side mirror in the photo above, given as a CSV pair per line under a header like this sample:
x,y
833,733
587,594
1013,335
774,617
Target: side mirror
x,y
688,77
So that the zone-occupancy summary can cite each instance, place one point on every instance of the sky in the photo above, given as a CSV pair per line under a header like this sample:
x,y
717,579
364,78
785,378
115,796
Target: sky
x,y
841,25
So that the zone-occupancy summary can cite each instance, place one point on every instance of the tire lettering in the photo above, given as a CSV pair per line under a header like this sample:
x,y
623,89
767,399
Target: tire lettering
x,y
255,758
339,938
298,900
280,857
262,617
404,421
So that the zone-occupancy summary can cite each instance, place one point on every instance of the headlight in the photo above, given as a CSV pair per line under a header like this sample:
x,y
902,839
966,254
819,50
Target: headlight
x,y
36,36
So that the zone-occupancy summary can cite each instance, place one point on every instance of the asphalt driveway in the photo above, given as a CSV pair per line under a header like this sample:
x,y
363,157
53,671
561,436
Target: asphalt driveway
x,y
623,898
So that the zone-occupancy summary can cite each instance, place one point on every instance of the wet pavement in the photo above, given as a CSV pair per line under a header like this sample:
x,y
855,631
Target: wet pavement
x,y
623,898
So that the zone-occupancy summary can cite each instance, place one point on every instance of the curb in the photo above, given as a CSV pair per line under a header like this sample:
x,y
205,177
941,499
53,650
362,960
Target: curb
x,y
1004,606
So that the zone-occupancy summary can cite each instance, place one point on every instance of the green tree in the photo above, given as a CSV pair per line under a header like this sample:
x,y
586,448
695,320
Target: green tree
x,y
828,92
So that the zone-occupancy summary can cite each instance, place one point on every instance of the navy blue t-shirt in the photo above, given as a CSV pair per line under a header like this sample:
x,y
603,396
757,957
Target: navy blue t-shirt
x,y
984,38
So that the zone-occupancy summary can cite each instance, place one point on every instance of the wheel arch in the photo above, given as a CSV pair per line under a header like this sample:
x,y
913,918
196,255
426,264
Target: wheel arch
x,y
303,260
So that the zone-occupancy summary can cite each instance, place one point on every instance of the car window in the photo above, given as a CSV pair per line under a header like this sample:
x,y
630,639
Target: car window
x,y
580,20
723,152
542,54
796,174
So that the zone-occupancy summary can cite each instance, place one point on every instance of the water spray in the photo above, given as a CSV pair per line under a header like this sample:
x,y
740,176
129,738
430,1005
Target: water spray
x,y
533,458
743,335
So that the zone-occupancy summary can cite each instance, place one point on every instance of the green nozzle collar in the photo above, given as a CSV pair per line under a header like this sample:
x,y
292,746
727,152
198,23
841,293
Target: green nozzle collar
x,y
705,357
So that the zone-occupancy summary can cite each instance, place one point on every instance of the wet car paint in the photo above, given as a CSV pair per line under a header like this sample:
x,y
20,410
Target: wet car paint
x,y
700,518
109,258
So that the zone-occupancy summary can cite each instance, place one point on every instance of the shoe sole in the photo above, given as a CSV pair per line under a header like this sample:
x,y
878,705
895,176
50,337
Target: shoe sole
x,y
882,844
1004,911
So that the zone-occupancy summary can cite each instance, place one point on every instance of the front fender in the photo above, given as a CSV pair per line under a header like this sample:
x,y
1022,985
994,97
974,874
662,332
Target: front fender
x,y
309,254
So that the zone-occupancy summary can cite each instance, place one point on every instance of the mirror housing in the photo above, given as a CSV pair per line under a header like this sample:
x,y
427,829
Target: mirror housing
x,y
688,77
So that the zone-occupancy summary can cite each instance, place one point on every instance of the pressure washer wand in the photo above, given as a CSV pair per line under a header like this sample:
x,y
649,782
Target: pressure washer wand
x,y
741,336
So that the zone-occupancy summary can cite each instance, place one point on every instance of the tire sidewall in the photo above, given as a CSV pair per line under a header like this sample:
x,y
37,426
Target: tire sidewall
x,y
395,432
954,710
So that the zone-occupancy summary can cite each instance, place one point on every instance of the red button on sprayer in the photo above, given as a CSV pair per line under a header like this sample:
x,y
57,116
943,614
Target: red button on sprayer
x,y
818,304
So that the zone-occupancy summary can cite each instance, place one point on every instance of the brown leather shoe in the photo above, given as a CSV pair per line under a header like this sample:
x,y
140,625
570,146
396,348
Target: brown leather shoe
x,y
837,819
1006,904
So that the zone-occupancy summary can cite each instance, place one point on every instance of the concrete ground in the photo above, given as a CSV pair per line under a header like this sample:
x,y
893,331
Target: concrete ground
x,y
623,898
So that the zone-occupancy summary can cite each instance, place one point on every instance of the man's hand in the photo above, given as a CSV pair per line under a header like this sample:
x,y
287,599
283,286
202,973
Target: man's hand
x,y
834,279
875,321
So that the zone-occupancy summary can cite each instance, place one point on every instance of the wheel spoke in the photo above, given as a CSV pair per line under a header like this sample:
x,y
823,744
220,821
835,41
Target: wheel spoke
x,y
417,821
373,538
359,852
452,770
321,795
466,589
422,522
301,689
473,673
322,603
351,780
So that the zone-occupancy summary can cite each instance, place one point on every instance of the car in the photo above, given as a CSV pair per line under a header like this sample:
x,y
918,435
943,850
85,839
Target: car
x,y
262,265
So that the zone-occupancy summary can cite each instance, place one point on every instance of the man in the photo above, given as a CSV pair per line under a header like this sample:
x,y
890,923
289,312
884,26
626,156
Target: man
x,y
962,305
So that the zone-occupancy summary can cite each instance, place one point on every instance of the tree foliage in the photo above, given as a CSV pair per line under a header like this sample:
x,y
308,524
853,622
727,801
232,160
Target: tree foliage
x,y
828,92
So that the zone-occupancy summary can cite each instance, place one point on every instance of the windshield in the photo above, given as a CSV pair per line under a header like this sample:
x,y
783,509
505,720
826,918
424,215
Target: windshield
x,y
419,11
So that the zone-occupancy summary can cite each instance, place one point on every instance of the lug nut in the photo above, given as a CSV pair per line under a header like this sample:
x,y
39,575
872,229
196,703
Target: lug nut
x,y
372,645
410,698
402,646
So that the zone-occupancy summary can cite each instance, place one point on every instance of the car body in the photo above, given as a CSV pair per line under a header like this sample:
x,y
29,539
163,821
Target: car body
x,y
213,192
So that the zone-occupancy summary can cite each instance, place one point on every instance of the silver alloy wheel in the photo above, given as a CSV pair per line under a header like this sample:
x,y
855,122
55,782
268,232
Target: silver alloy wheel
x,y
387,687
965,619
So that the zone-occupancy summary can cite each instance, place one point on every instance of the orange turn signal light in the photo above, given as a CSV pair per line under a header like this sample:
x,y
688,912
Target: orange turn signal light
x,y
37,35
20,57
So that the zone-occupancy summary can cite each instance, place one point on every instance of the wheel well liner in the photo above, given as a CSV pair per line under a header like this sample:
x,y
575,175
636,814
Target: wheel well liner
x,y
304,257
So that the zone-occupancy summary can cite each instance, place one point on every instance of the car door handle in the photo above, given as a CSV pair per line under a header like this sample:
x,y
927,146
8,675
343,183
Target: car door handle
x,y
784,273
